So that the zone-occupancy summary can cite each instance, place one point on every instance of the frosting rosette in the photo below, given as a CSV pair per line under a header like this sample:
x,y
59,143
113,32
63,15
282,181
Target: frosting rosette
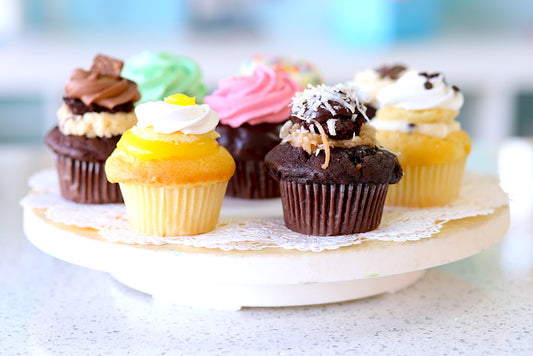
x,y
160,74
96,88
420,91
262,97
167,118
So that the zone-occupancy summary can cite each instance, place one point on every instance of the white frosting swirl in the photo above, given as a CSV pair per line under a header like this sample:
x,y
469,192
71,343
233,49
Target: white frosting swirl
x,y
438,129
412,92
169,118
371,82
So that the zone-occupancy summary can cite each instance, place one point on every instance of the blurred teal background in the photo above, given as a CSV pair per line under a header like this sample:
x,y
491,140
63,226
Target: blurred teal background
x,y
485,47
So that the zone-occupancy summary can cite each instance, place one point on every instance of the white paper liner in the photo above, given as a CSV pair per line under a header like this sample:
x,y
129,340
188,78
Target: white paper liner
x,y
480,195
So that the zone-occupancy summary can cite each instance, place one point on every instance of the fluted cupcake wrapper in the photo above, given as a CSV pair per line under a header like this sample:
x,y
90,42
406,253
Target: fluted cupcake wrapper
x,y
85,182
332,209
173,210
251,181
423,186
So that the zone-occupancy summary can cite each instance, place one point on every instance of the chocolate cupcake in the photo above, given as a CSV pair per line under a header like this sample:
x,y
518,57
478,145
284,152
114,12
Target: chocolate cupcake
x,y
97,109
333,175
252,109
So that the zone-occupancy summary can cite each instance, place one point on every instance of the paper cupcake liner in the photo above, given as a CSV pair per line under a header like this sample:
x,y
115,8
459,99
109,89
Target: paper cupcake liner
x,y
173,210
423,186
332,209
251,181
85,182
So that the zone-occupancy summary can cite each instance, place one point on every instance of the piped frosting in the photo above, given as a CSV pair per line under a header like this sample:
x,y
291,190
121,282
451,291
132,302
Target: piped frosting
x,y
419,91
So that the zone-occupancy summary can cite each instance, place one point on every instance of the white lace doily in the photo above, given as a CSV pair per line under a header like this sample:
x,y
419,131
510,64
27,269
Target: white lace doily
x,y
239,229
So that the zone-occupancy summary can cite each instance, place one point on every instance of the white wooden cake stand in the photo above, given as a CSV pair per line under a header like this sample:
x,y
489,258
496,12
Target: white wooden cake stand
x,y
270,277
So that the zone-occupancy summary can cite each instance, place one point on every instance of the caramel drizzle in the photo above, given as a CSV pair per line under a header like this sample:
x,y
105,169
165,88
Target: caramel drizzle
x,y
325,143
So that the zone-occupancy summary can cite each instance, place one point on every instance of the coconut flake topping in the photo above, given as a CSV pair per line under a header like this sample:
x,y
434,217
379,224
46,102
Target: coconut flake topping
x,y
313,97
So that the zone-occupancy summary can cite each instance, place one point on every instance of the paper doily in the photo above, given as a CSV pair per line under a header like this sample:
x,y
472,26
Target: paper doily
x,y
480,195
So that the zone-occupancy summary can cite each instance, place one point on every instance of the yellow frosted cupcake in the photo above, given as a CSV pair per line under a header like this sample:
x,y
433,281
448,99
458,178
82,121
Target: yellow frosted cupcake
x,y
171,170
416,120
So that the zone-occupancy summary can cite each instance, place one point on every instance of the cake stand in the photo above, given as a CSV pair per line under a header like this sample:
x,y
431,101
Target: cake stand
x,y
272,277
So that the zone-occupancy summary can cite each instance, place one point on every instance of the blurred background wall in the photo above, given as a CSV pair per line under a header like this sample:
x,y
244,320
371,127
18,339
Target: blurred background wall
x,y
483,46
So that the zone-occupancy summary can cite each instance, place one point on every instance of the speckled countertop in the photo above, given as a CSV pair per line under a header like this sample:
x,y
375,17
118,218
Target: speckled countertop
x,y
480,305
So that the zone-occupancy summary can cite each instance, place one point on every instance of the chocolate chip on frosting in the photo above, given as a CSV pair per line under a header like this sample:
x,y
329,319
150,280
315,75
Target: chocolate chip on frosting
x,y
428,84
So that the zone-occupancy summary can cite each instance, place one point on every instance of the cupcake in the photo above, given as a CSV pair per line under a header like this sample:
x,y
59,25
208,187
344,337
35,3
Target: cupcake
x,y
171,170
97,109
299,70
160,74
333,175
371,81
416,119
252,109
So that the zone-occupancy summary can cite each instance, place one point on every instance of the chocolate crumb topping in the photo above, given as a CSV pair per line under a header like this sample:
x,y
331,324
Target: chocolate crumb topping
x,y
391,72
456,88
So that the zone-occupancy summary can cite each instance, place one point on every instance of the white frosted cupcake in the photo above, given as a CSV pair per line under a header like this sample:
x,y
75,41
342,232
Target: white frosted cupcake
x,y
416,120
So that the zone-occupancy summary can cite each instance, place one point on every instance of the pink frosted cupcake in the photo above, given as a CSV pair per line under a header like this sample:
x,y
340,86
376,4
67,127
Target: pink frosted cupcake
x,y
252,109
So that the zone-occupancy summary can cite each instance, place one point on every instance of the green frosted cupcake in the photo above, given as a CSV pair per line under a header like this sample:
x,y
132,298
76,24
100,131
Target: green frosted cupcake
x,y
160,74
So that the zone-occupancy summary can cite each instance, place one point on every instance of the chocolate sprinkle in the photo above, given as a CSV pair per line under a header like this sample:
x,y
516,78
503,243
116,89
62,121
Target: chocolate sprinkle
x,y
427,84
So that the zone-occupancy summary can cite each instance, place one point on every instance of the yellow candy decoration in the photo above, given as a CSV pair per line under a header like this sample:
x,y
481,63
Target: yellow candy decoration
x,y
180,99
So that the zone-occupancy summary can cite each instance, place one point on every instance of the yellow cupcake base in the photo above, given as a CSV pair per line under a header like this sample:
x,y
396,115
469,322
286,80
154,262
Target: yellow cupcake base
x,y
173,210
423,186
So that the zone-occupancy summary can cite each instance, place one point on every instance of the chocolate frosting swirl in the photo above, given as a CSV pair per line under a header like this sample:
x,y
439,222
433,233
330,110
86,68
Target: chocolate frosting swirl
x,y
94,88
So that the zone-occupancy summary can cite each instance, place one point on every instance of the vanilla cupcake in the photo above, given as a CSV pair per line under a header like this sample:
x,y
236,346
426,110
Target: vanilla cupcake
x,y
171,170
416,120
371,81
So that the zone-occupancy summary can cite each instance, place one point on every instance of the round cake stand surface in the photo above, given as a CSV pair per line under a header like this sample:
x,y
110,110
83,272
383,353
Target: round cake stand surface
x,y
271,277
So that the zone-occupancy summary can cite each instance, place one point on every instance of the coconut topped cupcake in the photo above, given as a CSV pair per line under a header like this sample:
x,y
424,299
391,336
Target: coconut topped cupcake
x,y
333,175
327,138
